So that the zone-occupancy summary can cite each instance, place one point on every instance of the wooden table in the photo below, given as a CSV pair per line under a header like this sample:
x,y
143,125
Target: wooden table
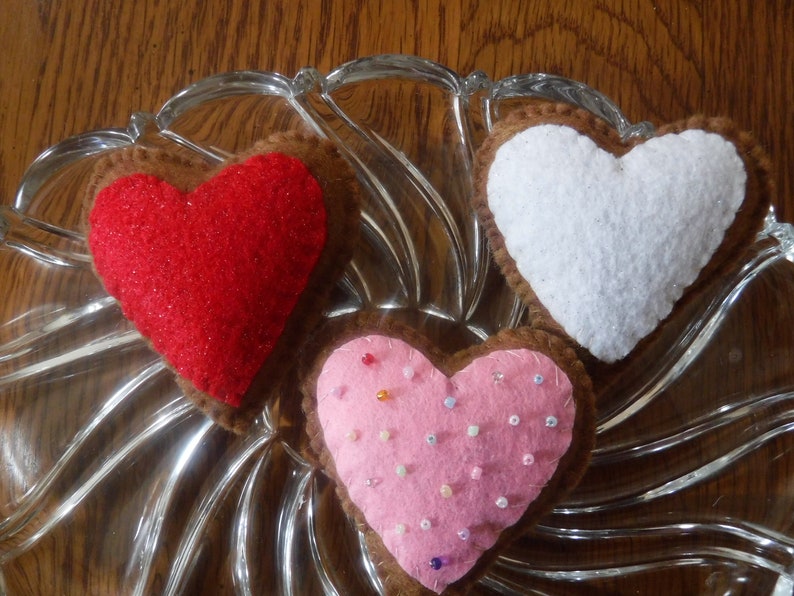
x,y
69,66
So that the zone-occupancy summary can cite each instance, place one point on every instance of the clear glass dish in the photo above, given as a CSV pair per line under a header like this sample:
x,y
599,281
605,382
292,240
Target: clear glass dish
x,y
110,482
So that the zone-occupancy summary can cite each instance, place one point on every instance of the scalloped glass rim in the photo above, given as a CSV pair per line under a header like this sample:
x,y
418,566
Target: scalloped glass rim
x,y
763,548
308,79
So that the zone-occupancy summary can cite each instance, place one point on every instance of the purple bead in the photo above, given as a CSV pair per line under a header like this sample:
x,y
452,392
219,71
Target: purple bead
x,y
436,563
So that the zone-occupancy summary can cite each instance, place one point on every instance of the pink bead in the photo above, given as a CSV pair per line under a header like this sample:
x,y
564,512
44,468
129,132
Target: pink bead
x,y
476,473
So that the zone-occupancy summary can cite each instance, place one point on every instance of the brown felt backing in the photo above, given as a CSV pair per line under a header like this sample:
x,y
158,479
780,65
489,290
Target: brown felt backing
x,y
569,471
341,198
747,223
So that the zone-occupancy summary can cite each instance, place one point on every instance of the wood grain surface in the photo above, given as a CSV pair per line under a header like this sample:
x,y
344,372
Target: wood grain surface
x,y
68,66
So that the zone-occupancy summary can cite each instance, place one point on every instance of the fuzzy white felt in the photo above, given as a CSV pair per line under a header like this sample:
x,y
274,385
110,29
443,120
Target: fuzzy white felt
x,y
608,244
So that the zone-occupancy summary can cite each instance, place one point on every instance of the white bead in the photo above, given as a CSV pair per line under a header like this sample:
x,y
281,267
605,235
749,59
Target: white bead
x,y
501,502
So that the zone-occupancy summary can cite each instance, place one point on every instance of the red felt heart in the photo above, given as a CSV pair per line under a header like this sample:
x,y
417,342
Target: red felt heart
x,y
211,276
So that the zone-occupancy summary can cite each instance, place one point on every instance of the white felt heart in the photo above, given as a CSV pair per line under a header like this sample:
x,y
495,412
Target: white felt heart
x,y
440,466
608,244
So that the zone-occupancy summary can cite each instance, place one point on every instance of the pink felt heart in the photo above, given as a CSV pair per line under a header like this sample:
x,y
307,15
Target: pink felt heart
x,y
210,277
439,466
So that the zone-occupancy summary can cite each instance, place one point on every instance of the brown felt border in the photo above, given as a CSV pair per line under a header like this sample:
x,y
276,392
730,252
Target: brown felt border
x,y
341,196
570,469
747,223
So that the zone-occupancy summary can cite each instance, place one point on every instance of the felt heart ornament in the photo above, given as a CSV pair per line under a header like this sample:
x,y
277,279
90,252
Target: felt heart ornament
x,y
607,235
224,270
443,461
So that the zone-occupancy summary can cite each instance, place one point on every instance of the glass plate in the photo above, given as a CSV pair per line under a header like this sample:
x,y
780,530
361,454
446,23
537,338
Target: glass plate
x,y
110,482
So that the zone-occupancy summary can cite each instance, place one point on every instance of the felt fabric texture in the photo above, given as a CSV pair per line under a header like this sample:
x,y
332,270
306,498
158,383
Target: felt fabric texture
x,y
374,393
239,253
568,210
211,276
608,236
440,466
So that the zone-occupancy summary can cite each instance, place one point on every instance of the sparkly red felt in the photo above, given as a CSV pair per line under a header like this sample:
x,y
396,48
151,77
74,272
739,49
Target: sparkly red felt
x,y
211,276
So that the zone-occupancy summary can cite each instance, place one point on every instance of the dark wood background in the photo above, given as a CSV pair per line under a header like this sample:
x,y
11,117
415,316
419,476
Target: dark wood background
x,y
68,66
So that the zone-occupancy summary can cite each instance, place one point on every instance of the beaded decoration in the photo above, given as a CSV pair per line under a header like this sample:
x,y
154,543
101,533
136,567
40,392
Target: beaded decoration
x,y
506,418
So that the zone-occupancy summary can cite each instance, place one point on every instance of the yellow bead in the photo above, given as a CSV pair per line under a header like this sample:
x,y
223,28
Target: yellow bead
x,y
382,395
446,491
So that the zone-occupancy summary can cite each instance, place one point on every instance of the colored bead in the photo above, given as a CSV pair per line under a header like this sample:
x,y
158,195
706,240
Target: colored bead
x,y
383,395
401,471
464,534
538,379
384,435
498,377
446,491
335,391
551,421
473,430
399,529
431,439
476,473
514,420
351,435
436,563
501,502
367,359
425,524
449,401
372,482
408,372
528,459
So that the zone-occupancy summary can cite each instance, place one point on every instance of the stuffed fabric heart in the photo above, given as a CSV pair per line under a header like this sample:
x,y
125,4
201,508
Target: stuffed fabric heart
x,y
607,236
443,460
223,271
